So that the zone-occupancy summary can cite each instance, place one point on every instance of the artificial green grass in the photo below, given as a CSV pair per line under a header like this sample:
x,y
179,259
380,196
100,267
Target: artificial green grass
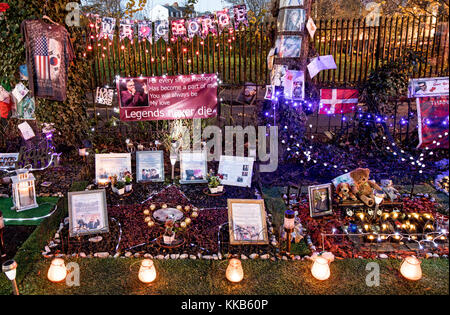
x,y
46,205
191,277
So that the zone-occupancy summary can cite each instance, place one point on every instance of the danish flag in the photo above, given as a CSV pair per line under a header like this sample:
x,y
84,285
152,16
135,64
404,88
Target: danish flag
x,y
338,101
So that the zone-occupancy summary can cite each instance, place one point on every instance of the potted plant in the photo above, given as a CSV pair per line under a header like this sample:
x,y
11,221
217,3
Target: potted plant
x,y
214,183
119,187
169,232
128,180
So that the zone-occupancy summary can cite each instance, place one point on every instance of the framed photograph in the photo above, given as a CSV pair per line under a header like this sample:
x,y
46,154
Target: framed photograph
x,y
193,167
247,222
291,3
294,87
289,46
150,166
277,75
291,20
236,170
111,164
320,202
87,212
133,92
8,160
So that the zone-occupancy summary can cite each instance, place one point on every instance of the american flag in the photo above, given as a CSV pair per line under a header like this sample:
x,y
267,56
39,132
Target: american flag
x,y
338,101
41,58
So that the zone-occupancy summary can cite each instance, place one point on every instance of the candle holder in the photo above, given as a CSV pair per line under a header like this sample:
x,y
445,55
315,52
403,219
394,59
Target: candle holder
x,y
289,226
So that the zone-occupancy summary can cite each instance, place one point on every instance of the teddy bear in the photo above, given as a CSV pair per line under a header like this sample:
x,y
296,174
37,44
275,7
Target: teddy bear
x,y
389,189
344,192
363,187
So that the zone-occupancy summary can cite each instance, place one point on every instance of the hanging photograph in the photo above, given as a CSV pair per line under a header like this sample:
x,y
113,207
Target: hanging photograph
x,y
87,212
110,164
291,3
247,222
150,166
291,20
294,87
320,200
133,92
193,167
236,170
277,75
289,46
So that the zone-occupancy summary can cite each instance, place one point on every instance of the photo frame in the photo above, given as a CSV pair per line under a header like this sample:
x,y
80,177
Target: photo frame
x,y
320,200
236,170
193,167
247,222
8,160
88,212
111,164
150,166
291,20
289,46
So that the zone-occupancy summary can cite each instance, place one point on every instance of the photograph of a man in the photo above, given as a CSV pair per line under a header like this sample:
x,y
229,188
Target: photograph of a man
x,y
134,93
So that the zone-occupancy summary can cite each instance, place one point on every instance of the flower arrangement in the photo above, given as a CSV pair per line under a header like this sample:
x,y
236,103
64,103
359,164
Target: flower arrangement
x,y
214,182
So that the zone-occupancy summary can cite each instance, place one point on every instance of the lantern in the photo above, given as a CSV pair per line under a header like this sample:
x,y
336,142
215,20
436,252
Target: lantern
x,y
234,272
147,271
320,269
24,192
57,271
410,268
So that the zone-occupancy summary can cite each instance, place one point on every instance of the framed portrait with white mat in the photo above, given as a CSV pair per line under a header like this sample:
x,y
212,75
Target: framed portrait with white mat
x,y
112,164
150,166
247,222
193,167
87,212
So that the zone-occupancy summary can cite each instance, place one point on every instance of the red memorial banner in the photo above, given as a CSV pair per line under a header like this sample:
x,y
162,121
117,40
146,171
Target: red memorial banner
x,y
432,117
168,97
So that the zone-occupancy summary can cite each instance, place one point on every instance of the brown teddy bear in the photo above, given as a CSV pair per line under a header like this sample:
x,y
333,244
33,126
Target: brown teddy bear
x,y
344,192
363,187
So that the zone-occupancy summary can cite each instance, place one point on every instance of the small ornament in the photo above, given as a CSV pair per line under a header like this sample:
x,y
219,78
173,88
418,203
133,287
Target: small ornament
x,y
164,206
194,214
146,212
187,208
151,223
152,207
188,220
183,224
349,213
179,207
147,219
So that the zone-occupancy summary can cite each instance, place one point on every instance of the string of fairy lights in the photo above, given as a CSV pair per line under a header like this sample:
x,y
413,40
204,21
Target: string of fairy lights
x,y
393,147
